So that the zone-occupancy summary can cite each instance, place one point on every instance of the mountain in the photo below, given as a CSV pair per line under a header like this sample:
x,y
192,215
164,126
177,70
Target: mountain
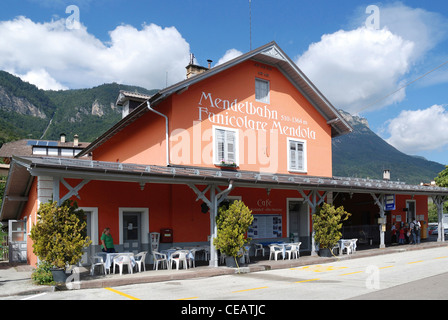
x,y
363,154
28,112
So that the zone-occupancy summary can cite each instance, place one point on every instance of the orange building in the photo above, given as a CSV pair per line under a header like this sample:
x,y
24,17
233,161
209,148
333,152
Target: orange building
x,y
254,128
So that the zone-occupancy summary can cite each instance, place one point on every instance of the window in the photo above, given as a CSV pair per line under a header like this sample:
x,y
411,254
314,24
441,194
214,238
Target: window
x,y
262,90
296,155
225,146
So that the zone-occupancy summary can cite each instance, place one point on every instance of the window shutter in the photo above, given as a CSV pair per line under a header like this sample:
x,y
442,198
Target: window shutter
x,y
220,145
296,157
230,141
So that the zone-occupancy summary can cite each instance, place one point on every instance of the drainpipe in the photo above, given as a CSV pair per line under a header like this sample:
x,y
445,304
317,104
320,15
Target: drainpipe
x,y
166,133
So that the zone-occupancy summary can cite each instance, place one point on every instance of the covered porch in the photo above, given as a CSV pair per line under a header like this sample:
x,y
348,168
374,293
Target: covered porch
x,y
155,198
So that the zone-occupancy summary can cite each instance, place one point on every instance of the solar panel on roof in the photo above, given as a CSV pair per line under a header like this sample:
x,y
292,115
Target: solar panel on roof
x,y
31,143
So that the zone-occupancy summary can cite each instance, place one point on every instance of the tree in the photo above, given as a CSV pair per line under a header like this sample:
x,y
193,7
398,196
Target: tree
x,y
233,224
60,234
327,222
442,178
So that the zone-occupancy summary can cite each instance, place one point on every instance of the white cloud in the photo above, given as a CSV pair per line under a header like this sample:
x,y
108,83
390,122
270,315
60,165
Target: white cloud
x,y
77,59
419,130
358,67
229,55
42,79
352,68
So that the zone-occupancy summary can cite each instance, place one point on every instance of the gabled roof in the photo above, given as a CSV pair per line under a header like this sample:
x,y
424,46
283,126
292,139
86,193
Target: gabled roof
x,y
270,54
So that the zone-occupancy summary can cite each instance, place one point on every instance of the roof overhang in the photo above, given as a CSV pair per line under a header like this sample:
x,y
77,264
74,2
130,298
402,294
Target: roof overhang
x,y
270,54
23,170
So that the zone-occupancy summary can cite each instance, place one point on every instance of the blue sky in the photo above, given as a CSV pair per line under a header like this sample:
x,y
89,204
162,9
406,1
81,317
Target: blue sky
x,y
147,43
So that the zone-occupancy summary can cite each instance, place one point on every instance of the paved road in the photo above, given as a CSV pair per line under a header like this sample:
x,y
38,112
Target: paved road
x,y
421,274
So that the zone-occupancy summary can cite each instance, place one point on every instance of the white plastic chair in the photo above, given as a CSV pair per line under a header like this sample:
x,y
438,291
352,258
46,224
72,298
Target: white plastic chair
x,y
178,257
140,260
192,257
245,255
354,244
348,246
123,259
275,250
97,261
298,244
259,248
290,250
159,257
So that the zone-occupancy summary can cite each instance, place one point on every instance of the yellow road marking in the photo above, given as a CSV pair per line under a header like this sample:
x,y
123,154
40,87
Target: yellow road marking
x,y
319,268
191,298
249,289
386,267
347,274
122,294
303,281
415,262
441,258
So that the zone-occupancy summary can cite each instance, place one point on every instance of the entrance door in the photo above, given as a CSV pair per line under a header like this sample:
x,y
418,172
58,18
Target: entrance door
x,y
17,241
131,232
298,223
410,213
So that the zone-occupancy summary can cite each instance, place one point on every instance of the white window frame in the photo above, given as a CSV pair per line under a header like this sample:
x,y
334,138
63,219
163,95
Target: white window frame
x,y
267,98
217,161
305,155
144,221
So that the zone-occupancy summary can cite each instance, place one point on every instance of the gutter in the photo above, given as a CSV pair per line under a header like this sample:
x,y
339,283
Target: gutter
x,y
148,104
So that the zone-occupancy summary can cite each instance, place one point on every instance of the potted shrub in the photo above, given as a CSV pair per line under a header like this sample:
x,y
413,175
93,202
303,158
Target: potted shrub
x,y
327,222
59,236
232,224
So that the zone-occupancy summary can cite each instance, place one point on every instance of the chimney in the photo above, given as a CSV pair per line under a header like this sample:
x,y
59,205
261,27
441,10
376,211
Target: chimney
x,y
193,69
386,175
76,141
62,137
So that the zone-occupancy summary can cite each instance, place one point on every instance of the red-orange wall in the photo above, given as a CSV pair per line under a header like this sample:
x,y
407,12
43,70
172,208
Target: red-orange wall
x,y
191,130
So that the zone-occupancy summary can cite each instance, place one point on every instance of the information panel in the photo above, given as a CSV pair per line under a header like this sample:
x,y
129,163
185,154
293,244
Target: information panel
x,y
265,226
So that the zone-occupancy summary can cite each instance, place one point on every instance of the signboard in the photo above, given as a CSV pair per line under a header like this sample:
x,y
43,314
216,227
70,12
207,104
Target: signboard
x,y
389,202
265,226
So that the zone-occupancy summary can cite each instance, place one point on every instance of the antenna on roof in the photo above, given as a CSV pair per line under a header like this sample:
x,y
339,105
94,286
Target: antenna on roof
x,y
250,25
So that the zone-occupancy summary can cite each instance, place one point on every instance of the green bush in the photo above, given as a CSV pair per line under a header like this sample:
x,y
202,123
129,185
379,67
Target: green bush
x,y
60,234
327,223
233,224
42,274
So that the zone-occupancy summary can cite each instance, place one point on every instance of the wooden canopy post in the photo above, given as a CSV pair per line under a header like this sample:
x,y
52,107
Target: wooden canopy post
x,y
380,202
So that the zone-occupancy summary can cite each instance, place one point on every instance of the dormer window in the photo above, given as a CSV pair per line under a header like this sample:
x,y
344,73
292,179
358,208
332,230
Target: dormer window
x,y
262,90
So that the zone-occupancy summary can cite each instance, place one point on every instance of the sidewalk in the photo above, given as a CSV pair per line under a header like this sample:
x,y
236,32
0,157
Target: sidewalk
x,y
16,279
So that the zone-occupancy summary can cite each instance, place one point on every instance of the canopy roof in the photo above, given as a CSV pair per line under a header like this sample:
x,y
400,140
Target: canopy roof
x,y
24,168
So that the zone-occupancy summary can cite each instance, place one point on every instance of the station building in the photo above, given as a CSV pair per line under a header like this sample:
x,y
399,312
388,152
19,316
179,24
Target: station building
x,y
254,128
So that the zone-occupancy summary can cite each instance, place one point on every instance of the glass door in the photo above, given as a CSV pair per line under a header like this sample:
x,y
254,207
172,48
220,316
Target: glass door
x,y
17,241
131,232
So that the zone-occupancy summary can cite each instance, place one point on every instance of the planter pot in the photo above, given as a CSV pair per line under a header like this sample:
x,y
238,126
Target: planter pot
x,y
230,262
59,275
325,252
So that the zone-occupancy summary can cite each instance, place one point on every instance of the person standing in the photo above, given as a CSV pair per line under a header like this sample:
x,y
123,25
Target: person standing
x,y
417,230
107,242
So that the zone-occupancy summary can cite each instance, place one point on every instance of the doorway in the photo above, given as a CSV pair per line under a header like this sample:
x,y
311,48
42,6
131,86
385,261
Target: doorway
x,y
134,229
410,212
299,223
131,232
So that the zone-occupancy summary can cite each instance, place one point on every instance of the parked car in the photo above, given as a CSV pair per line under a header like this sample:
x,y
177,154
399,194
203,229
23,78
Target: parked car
x,y
431,229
